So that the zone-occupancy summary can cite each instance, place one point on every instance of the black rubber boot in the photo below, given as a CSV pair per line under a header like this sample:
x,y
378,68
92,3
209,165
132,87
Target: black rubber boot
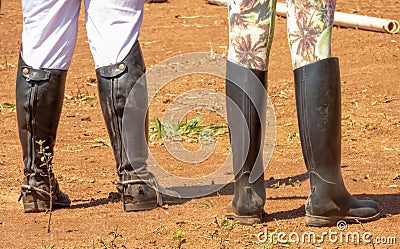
x,y
39,97
246,108
318,100
138,187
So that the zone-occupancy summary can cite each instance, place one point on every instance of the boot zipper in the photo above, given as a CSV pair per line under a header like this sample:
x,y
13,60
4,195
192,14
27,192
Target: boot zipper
x,y
114,86
32,121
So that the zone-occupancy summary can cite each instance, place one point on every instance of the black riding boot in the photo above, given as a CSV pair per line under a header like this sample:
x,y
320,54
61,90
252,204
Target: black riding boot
x,y
318,100
246,108
39,96
138,187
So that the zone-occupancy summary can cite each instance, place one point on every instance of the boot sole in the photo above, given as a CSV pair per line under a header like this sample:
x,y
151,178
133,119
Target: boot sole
x,y
323,221
130,207
42,206
36,207
246,220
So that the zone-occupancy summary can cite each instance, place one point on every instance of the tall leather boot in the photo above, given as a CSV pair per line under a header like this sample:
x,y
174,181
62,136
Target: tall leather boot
x,y
138,187
246,108
39,99
318,101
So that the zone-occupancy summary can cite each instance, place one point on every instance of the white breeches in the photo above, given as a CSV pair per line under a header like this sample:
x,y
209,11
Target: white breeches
x,y
50,29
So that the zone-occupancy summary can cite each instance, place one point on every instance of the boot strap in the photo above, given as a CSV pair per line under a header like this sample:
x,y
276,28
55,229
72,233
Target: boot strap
x,y
112,71
35,74
31,188
151,183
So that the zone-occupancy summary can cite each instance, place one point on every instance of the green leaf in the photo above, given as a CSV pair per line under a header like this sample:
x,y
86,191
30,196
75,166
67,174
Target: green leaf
x,y
185,130
6,106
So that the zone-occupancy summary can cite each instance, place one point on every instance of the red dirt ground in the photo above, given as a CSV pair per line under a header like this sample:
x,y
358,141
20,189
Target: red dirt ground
x,y
370,64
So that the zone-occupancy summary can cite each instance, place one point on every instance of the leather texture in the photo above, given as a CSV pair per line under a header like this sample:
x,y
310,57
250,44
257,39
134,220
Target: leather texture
x,y
246,109
318,101
39,100
115,83
122,90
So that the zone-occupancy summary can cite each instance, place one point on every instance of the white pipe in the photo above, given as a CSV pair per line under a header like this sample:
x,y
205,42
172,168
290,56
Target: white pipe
x,y
344,19
355,21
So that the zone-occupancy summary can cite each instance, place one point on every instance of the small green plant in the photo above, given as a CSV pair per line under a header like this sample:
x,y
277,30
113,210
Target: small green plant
x,y
98,142
79,100
111,244
47,247
88,99
293,135
230,224
191,130
278,185
46,158
8,106
296,183
81,96
224,227
207,204
348,121
180,237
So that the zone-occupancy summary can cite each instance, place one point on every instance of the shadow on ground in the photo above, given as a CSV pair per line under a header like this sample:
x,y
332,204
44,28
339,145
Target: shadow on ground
x,y
390,203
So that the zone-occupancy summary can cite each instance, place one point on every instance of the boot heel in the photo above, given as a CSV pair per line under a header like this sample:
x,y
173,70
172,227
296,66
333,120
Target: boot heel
x,y
320,221
244,220
36,206
32,201
130,207
247,220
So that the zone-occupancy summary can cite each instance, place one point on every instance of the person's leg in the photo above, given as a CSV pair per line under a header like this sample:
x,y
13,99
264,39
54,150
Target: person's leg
x,y
251,25
113,30
49,33
318,102
309,27
48,41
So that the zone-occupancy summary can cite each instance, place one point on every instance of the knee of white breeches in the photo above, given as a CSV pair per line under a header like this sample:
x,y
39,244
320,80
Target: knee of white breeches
x,y
49,33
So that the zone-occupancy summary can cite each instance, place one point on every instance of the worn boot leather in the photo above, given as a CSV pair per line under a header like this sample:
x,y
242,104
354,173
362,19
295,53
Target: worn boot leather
x,y
246,108
138,187
318,101
39,99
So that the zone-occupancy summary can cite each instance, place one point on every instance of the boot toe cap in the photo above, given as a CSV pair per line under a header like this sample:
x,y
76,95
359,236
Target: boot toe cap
x,y
365,210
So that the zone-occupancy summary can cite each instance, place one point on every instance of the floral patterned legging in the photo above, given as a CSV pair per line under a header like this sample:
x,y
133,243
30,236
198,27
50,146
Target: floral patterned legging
x,y
251,29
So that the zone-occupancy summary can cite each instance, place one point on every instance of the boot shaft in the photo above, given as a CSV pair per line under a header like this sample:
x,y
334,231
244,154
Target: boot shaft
x,y
122,88
246,109
246,92
39,100
318,101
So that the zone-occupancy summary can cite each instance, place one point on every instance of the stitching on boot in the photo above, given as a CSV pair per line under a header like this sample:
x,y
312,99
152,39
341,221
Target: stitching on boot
x,y
323,179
